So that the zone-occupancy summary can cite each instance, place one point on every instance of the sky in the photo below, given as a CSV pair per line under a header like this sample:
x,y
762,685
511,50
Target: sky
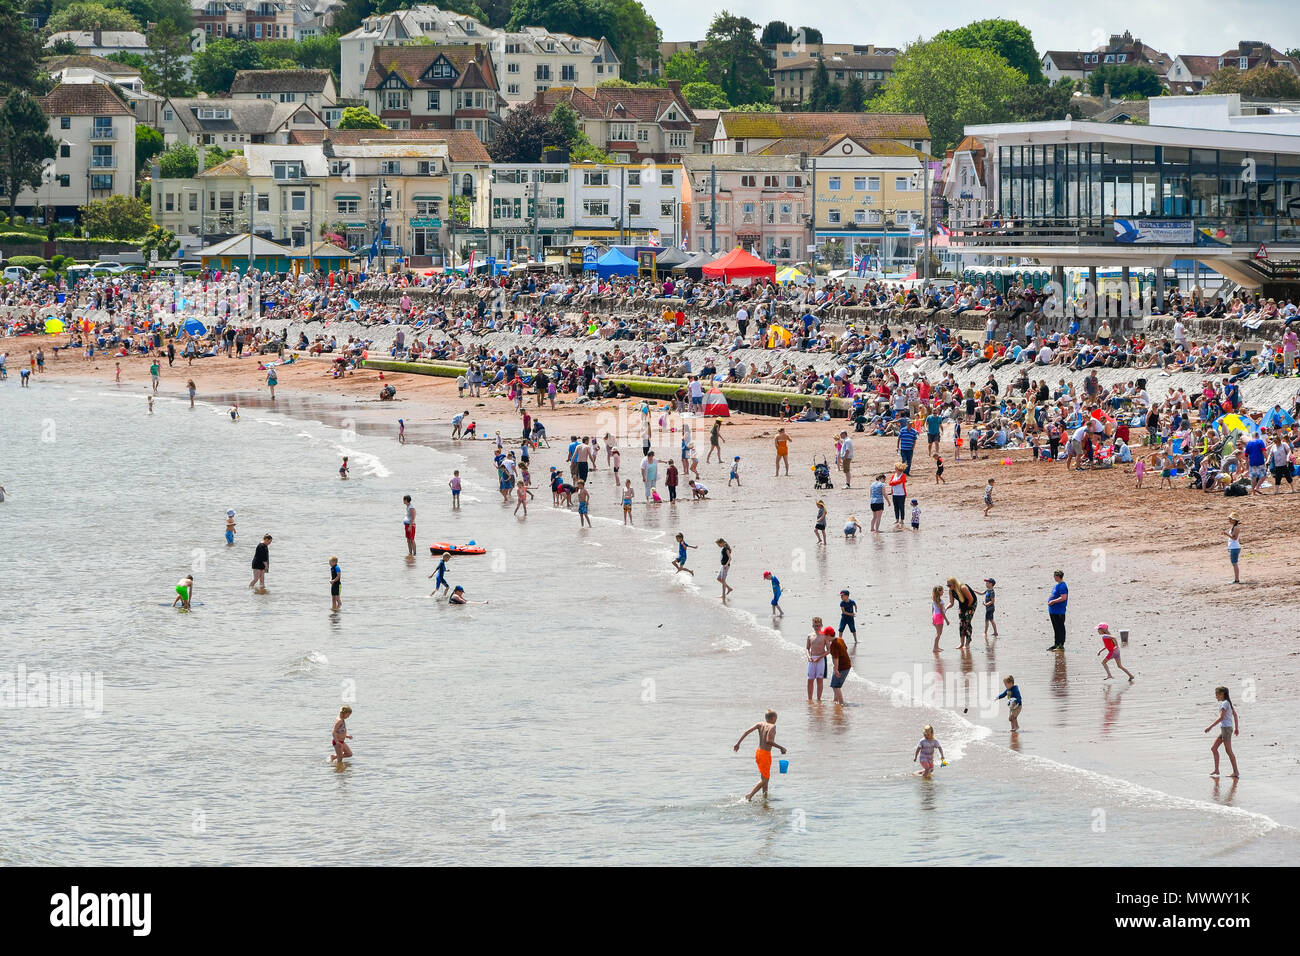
x,y
1202,27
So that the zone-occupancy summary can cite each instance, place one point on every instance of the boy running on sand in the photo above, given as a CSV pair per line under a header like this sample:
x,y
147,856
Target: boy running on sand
x,y
1012,693
988,498
680,563
925,751
1228,725
339,736
1110,647
776,593
763,755
735,472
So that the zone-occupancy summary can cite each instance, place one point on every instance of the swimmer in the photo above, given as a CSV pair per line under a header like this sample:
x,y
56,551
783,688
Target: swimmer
x,y
763,755
776,593
339,736
680,563
440,572
184,592
343,469
234,413
1110,647
230,527
336,584
925,751
458,597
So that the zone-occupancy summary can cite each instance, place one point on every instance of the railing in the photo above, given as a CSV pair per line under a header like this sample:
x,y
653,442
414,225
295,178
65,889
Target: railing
x,y
103,162
1034,232
101,133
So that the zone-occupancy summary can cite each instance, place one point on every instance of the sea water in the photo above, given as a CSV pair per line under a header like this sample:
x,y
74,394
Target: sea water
x,y
587,714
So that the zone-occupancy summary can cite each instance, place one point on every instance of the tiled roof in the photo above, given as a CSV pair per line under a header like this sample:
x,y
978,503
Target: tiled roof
x,y
246,116
473,66
1200,66
644,104
843,61
87,61
236,166
821,125
84,99
1066,59
462,145
280,81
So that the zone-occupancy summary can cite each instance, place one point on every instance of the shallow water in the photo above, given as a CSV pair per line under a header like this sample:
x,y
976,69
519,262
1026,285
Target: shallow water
x,y
586,714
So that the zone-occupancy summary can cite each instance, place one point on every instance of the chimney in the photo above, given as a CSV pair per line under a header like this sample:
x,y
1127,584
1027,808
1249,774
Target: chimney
x,y
675,86
1105,94
97,37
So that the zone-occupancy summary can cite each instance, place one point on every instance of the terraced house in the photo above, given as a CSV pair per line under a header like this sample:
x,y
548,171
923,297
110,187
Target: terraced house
x,y
428,87
785,133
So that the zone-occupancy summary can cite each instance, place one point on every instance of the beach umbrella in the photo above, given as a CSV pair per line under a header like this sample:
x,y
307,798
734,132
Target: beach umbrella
x,y
354,305
1232,423
715,404
195,327
791,274
53,326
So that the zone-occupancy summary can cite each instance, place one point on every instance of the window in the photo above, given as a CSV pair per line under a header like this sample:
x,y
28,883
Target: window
x,y
512,89
341,167
568,72
442,70
263,202
794,182
550,208
902,184
168,116
64,150
396,100
595,177
103,128
288,97
620,132
512,67
507,208
859,184
859,217
643,134
169,202
665,177
426,167
595,207
634,177
282,170
543,71
634,209
101,157
65,180
740,146
100,182
873,184
194,202
833,216
435,100
1243,63
748,182
833,183
346,205
676,140
771,182
1121,57
390,167
428,207
65,122
666,210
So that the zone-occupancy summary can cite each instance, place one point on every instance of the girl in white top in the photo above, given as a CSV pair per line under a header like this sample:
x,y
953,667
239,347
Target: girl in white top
x,y
1234,545
925,751
1228,726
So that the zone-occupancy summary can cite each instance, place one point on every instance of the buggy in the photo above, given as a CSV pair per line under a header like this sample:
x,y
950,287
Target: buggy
x,y
821,475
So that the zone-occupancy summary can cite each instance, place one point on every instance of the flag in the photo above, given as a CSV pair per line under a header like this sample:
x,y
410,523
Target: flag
x,y
653,239
942,230
685,241
469,270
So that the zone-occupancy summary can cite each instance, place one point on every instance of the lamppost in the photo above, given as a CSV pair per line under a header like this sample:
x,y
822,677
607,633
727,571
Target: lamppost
x,y
924,174
203,208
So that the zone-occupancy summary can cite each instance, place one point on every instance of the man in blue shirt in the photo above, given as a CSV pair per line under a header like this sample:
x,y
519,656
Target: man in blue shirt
x,y
1056,610
906,445
933,429
1256,457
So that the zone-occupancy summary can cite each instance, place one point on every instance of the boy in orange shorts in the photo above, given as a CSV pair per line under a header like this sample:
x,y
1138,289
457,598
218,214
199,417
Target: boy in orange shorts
x,y
763,755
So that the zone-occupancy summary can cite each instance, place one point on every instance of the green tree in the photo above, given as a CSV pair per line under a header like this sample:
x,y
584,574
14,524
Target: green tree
x,y
854,96
705,96
523,133
64,47
777,32
686,66
1127,81
91,16
1008,39
566,124
148,144
1271,82
319,53
117,217
821,83
25,144
178,161
20,50
763,106
952,87
169,49
358,117
810,35
349,16
736,62
1036,102
215,66
153,11
162,240
624,23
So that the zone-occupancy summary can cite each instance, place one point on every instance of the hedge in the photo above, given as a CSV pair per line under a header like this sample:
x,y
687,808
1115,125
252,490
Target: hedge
x,y
31,262
23,237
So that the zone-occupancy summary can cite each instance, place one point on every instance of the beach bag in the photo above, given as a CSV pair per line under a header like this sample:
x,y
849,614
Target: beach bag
x,y
1239,490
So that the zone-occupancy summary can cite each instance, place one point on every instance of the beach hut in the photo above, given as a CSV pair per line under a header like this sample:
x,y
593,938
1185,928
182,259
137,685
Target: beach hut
x,y
233,255
615,263
323,257
739,264
715,404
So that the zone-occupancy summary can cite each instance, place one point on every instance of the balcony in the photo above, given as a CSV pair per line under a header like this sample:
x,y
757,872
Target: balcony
x,y
99,133
103,162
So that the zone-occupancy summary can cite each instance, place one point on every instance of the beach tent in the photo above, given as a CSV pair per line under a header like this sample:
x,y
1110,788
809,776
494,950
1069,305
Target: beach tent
x,y
695,263
739,264
1233,422
53,326
670,258
195,327
778,337
791,274
1277,416
715,404
615,263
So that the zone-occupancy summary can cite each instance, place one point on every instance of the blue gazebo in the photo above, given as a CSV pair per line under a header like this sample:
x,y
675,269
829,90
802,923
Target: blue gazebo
x,y
615,263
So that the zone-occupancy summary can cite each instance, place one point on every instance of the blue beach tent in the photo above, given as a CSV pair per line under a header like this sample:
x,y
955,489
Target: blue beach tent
x,y
615,263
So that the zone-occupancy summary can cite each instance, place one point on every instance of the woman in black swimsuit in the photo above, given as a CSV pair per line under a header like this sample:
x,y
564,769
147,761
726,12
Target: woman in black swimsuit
x,y
964,598
726,566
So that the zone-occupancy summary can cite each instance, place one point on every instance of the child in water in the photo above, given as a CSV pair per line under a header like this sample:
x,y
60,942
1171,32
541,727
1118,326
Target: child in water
x,y
763,755
628,495
1110,647
1229,726
184,592
938,616
851,527
343,468
776,593
454,485
336,584
1012,694
230,527
401,431
339,736
925,751
680,563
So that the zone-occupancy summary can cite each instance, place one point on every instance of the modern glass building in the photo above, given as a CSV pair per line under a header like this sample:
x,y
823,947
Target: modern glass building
x,y
1209,179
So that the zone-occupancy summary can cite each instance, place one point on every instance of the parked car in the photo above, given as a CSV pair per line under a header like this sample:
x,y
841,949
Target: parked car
x,y
16,273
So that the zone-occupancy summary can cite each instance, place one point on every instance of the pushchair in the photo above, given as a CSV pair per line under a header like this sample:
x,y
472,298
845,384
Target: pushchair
x,y
821,475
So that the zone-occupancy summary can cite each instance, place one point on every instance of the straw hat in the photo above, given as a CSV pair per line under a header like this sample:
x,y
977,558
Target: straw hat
x,y
1232,516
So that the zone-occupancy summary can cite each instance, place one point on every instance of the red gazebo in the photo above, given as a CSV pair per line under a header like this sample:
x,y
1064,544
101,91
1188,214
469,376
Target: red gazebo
x,y
739,264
